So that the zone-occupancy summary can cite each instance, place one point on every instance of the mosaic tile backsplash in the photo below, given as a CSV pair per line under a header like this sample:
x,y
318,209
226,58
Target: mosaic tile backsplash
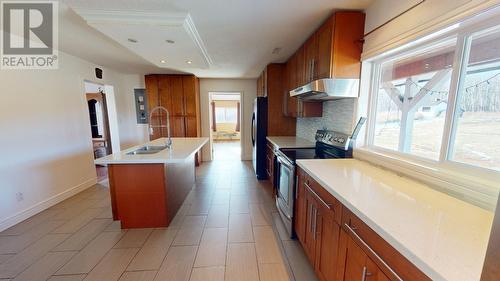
x,y
338,116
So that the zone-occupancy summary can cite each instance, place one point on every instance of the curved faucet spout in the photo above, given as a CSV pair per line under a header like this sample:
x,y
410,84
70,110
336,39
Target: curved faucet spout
x,y
168,142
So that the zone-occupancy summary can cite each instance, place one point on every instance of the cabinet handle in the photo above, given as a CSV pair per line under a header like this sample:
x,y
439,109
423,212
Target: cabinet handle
x,y
296,186
365,274
351,231
313,64
315,223
327,205
310,215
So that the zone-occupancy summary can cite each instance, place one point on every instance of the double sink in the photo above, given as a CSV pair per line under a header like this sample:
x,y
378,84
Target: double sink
x,y
148,149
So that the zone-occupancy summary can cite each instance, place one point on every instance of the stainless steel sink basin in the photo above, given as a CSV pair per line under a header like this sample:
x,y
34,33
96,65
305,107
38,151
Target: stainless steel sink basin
x,y
149,149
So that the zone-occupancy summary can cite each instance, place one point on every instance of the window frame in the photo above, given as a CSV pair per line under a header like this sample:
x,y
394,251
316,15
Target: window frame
x,y
472,178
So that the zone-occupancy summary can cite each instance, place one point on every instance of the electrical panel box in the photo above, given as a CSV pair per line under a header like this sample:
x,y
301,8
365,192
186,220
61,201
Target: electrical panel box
x,y
141,106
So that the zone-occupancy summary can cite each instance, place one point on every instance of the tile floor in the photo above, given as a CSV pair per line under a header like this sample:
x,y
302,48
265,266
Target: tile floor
x,y
227,229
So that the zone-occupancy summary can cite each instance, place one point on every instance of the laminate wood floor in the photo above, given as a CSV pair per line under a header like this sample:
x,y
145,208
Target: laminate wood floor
x,y
227,229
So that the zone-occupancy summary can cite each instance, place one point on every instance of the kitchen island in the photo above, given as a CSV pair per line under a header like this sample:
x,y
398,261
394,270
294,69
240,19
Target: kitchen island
x,y
149,182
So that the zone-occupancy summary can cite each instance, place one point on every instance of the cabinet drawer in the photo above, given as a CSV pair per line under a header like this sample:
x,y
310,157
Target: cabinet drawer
x,y
330,203
387,259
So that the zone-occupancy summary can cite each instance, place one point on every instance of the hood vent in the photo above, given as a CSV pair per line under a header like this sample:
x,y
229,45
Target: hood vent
x,y
327,89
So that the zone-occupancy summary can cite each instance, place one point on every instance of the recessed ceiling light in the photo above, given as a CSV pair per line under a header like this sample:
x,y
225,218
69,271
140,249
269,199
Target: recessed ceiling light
x,y
189,62
163,61
276,51
170,41
132,40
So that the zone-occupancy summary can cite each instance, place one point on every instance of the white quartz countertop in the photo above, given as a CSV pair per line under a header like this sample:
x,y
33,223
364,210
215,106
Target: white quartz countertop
x,y
290,142
444,237
182,149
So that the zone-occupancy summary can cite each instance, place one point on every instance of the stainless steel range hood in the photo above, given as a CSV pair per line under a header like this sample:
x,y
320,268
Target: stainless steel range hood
x,y
328,89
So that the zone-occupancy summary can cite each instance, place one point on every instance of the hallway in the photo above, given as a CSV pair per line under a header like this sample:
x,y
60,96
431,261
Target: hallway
x,y
227,229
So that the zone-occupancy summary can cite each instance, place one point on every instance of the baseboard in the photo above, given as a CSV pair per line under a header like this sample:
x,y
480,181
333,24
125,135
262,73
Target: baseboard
x,y
41,206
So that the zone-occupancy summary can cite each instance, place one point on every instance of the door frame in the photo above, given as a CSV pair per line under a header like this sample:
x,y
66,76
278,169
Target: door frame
x,y
211,141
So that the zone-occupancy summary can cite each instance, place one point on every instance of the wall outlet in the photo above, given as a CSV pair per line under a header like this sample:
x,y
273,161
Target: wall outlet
x,y
19,196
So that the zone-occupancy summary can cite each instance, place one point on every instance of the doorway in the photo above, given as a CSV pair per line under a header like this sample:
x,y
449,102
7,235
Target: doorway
x,y
99,125
225,123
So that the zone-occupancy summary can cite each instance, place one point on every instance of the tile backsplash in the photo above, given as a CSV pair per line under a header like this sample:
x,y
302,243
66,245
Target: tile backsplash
x,y
338,115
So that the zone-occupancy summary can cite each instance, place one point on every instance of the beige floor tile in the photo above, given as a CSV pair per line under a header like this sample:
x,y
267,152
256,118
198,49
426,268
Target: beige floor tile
x,y
106,214
134,238
238,204
266,245
179,217
218,216
88,257
154,250
283,234
5,257
30,255
190,231
112,265
221,197
240,228
199,208
208,274
241,263
259,216
45,267
76,277
138,276
15,244
212,250
302,269
83,236
114,226
273,272
29,223
74,224
178,264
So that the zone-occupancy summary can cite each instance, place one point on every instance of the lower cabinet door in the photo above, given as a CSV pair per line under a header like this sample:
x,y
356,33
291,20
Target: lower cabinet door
x,y
357,265
327,245
311,228
301,209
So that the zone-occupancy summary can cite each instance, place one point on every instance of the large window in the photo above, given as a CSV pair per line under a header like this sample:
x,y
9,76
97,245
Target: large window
x,y
441,101
226,114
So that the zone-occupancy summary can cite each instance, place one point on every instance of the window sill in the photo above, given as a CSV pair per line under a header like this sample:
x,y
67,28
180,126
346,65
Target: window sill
x,y
480,189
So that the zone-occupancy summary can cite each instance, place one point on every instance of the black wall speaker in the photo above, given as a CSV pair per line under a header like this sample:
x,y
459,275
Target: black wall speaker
x,y
98,73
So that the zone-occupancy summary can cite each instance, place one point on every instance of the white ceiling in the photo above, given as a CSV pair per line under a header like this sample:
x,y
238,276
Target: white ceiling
x,y
222,38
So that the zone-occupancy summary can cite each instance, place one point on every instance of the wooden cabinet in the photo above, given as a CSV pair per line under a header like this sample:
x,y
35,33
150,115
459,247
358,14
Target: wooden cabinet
x,y
333,51
272,84
339,245
317,217
270,160
180,95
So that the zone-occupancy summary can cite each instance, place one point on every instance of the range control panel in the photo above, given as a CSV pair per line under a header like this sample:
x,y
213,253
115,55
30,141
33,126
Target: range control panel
x,y
333,138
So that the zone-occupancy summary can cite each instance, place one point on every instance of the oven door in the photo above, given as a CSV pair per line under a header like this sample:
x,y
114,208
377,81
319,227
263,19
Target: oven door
x,y
285,182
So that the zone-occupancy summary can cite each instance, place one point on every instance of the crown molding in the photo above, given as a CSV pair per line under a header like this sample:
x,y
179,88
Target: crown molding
x,y
171,19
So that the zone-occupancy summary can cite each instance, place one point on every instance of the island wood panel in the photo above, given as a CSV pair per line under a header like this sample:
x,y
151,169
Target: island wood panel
x,y
138,194
149,195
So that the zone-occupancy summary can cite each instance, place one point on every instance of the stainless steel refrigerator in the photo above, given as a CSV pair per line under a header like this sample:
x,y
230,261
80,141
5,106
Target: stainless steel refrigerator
x,y
259,133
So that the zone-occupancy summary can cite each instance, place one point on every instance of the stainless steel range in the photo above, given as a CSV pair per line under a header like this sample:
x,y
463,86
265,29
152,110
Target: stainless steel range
x,y
329,144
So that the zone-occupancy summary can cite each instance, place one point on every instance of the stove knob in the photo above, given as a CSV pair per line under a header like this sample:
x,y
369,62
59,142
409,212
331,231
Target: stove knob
x,y
341,140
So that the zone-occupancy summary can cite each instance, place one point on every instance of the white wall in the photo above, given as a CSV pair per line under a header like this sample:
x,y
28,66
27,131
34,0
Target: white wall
x,y
430,16
45,133
248,89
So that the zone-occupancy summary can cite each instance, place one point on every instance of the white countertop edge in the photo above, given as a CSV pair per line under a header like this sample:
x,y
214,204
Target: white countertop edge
x,y
276,143
101,161
424,267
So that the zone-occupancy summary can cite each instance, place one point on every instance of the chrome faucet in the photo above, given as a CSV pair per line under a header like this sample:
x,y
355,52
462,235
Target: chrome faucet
x,y
168,142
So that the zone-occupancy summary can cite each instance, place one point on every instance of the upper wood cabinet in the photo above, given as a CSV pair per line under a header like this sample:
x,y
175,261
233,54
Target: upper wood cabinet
x,y
272,84
333,51
180,95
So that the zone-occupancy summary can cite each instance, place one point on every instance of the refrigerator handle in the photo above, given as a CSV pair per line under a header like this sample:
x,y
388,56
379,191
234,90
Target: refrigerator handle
x,y
253,129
